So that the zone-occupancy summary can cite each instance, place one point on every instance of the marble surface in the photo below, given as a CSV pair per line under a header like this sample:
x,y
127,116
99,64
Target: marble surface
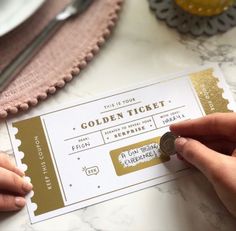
x,y
142,48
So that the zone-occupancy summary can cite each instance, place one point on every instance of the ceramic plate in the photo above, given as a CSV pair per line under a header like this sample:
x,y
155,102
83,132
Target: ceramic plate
x,y
14,12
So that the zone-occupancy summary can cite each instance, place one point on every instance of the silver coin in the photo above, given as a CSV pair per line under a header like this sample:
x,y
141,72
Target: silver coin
x,y
167,143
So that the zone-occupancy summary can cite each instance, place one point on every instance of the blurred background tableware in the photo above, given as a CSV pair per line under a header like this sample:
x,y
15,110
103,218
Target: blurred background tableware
x,y
14,12
75,7
176,17
205,7
61,58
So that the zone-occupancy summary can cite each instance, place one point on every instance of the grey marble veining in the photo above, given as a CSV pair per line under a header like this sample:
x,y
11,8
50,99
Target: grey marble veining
x,y
209,50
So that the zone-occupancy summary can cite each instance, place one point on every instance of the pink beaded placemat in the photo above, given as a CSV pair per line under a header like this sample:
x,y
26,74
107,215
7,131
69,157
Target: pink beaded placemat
x,y
62,58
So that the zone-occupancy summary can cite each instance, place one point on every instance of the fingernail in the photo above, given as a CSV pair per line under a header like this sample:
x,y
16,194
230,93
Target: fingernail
x,y
20,202
27,186
179,144
19,171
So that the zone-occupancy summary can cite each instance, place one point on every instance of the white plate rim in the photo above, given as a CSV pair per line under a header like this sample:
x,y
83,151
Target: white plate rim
x,y
24,13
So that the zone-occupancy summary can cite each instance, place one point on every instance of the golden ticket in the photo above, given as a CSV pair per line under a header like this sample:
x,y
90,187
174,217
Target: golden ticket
x,y
102,148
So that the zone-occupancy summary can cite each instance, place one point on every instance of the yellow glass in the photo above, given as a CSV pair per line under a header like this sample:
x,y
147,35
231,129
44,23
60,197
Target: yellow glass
x,y
205,7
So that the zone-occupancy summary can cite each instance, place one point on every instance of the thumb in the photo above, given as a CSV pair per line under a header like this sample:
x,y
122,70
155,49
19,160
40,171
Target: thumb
x,y
197,154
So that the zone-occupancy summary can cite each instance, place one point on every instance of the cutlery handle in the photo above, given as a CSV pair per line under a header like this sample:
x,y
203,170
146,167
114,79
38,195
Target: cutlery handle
x,y
14,67
11,70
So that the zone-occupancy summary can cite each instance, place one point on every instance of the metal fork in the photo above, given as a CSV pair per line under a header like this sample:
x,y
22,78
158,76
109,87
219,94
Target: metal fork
x,y
74,8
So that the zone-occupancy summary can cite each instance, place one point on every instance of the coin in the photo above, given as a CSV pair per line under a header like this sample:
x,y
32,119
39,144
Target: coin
x,y
167,143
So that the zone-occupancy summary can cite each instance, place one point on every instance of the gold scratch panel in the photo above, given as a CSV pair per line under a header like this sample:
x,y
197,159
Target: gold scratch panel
x,y
130,149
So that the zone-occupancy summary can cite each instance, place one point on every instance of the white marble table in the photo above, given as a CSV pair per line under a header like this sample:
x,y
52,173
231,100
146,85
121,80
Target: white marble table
x,y
142,48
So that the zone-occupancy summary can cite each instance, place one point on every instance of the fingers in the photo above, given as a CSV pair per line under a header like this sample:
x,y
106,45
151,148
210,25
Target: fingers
x,y
11,203
197,154
5,162
221,146
12,186
12,182
223,124
234,153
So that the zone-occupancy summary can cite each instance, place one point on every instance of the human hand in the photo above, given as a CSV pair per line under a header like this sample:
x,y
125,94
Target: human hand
x,y
209,143
13,187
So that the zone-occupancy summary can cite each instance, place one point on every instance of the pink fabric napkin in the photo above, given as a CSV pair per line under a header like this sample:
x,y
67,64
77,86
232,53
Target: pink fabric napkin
x,y
62,58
